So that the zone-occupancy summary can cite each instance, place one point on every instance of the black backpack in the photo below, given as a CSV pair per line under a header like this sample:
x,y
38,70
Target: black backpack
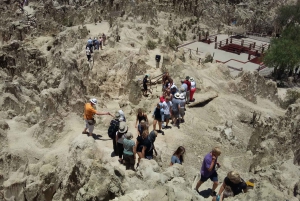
x,y
113,128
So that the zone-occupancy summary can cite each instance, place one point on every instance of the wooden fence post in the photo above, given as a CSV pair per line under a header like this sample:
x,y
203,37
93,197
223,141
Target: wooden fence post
x,y
249,56
216,45
262,49
190,52
199,37
226,41
197,51
250,46
215,38
199,60
254,44
242,43
230,40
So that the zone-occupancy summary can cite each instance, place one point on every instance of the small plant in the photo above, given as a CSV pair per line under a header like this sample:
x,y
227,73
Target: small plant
x,y
184,29
291,97
180,27
151,45
183,35
159,41
171,42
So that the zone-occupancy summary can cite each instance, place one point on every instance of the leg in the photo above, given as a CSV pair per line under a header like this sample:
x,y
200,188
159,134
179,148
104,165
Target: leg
x,y
163,120
140,156
86,127
215,185
167,121
115,146
127,162
199,184
91,129
188,97
132,162
159,125
214,178
120,150
154,124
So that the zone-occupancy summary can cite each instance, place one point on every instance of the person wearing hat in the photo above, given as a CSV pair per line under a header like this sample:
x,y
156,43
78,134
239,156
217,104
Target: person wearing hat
x,y
89,112
188,91
121,134
175,109
182,91
122,115
113,129
157,117
233,185
193,89
129,151
181,107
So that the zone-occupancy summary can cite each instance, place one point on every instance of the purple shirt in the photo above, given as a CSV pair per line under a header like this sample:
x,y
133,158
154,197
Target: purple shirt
x,y
206,165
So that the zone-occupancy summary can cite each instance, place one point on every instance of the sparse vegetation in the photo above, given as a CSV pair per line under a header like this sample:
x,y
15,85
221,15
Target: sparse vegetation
x,y
151,45
291,97
171,42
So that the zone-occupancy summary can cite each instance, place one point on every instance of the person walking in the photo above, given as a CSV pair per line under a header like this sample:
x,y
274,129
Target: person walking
x,y
167,110
233,185
162,109
89,112
129,151
188,91
181,108
140,116
139,145
121,134
145,86
208,169
193,89
88,53
90,44
177,157
157,118
103,39
122,115
112,130
175,109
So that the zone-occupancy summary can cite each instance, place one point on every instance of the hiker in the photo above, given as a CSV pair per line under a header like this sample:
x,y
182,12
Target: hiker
x,y
142,127
129,151
103,39
140,116
113,129
233,185
100,42
157,118
167,110
139,145
208,169
193,89
90,44
173,90
188,91
165,77
148,147
88,53
182,91
89,112
122,115
120,135
181,108
178,156
175,109
162,109
168,93
96,44
145,81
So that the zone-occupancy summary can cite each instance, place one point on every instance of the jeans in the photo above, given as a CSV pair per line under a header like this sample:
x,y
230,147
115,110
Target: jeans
x,y
120,150
129,161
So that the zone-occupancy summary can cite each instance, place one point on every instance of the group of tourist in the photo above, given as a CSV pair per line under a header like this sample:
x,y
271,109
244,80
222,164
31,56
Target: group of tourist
x,y
171,105
172,102
94,44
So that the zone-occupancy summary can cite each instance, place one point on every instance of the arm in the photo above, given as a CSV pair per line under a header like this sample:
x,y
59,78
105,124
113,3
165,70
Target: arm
x,y
136,121
154,150
222,188
143,151
212,163
117,138
146,118
103,113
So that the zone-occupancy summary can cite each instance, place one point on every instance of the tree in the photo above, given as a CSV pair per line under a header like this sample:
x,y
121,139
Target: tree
x,y
284,53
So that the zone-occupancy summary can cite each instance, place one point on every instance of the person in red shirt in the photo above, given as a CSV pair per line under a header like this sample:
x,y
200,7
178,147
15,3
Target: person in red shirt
x,y
188,83
89,112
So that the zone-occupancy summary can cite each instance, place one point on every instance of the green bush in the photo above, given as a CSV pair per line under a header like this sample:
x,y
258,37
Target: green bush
x,y
151,45
291,97
159,41
171,42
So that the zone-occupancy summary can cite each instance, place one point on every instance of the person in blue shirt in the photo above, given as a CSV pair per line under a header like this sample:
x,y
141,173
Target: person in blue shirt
x,y
178,156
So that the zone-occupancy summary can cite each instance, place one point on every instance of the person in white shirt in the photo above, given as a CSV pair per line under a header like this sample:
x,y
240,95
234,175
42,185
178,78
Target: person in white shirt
x,y
193,89
88,53
122,115
167,105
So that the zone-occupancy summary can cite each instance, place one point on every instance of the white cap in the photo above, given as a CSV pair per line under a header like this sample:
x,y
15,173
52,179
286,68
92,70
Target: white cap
x,y
93,100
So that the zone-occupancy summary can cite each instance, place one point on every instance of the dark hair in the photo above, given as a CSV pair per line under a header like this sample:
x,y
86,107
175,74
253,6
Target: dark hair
x,y
180,151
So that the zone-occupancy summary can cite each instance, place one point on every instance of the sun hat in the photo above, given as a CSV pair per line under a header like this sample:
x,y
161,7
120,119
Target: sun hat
x,y
182,89
187,77
123,127
181,96
129,136
234,177
192,79
177,95
117,115
93,100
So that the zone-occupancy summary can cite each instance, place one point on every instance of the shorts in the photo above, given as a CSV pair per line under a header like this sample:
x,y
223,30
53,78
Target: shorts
x,y
145,86
175,113
89,127
181,112
167,116
158,119
213,177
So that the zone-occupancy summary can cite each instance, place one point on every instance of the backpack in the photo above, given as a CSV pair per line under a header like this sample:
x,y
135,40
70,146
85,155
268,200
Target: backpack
x,y
113,128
